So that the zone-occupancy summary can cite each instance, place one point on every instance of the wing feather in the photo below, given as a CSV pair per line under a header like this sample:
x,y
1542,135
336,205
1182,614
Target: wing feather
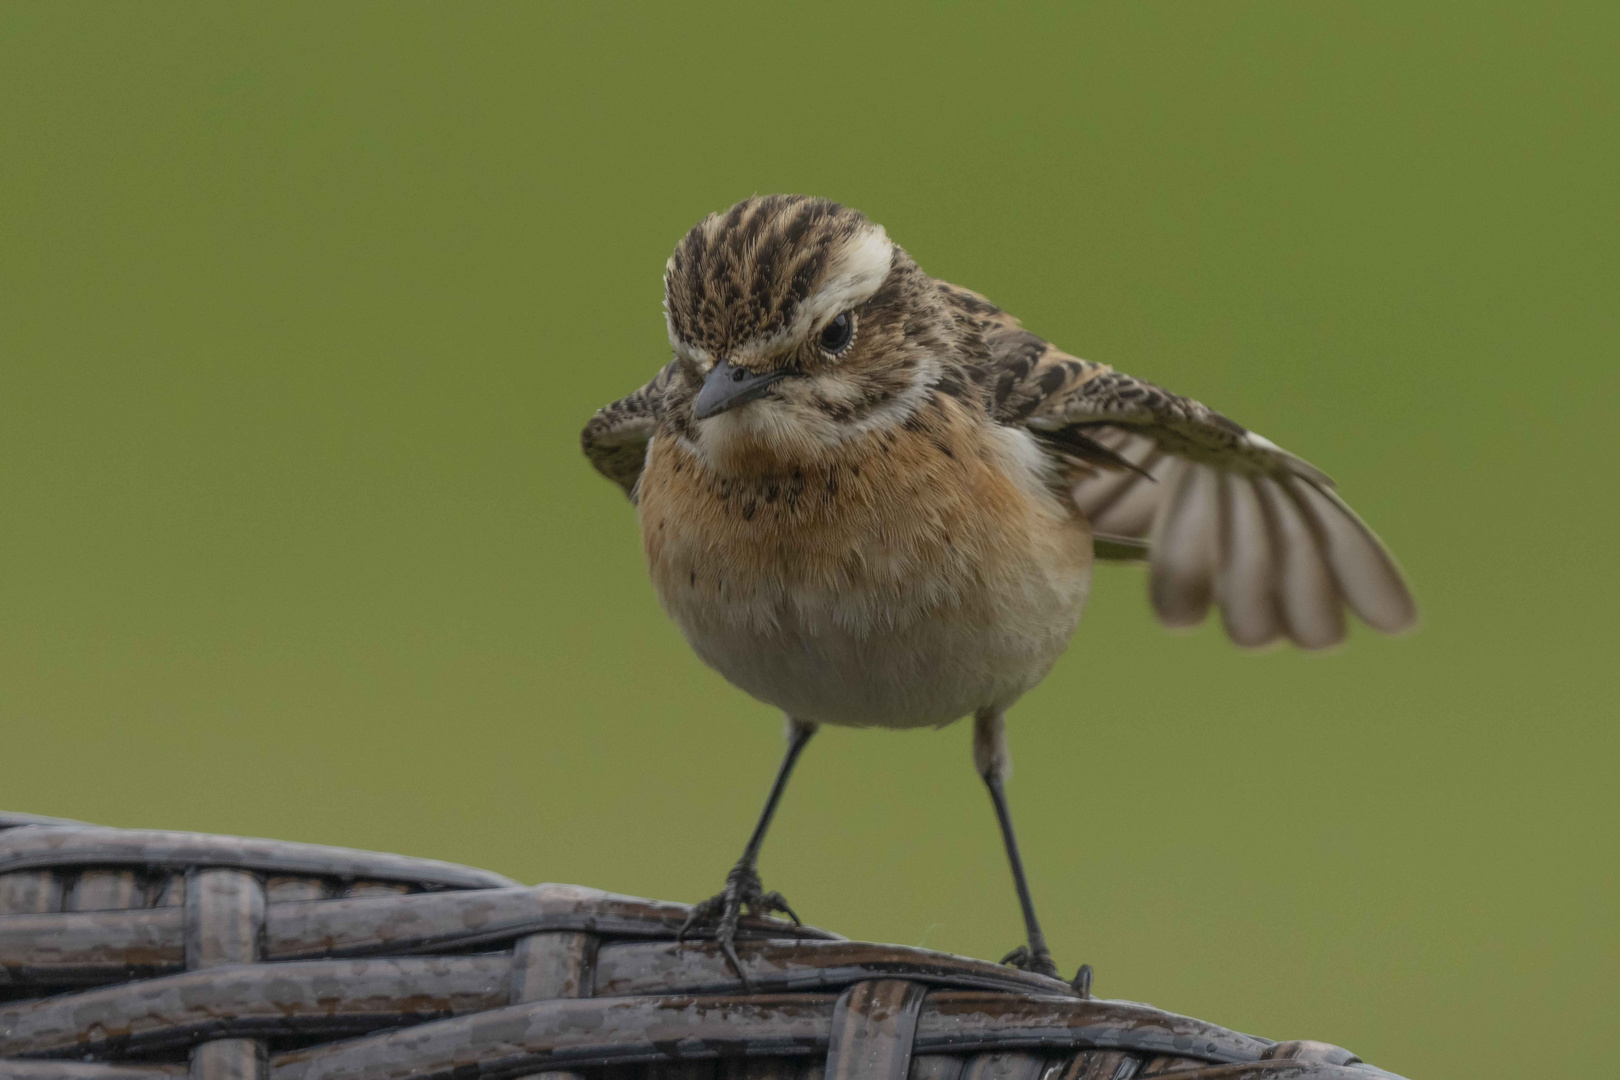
x,y
1311,605
616,438
1182,574
1131,515
1246,584
1221,514
1364,570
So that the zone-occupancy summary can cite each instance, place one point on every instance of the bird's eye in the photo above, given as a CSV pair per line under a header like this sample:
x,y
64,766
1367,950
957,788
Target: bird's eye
x,y
839,333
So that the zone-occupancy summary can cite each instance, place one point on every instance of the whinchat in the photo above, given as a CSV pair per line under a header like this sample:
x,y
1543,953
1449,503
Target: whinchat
x,y
871,498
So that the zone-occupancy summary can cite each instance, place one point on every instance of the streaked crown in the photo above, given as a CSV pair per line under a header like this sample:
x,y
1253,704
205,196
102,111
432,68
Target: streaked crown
x,y
748,282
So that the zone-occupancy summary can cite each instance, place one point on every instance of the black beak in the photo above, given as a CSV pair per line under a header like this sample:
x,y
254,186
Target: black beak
x,y
726,387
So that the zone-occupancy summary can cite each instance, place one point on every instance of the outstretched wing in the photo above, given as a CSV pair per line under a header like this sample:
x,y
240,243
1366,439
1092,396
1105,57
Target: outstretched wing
x,y
616,438
1220,513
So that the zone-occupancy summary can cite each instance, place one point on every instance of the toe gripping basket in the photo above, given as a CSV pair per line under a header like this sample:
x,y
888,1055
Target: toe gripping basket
x,y
143,955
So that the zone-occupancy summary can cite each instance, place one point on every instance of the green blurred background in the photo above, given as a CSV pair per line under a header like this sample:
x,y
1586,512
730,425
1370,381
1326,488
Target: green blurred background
x,y
304,306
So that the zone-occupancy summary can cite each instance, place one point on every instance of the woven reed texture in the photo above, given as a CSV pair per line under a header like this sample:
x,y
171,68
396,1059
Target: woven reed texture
x,y
129,954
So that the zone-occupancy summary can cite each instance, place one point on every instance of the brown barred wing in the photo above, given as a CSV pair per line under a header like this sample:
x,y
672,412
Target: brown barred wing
x,y
616,438
1221,514
1021,369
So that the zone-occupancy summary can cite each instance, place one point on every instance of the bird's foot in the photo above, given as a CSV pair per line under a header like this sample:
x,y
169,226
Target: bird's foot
x,y
1040,963
1082,981
724,909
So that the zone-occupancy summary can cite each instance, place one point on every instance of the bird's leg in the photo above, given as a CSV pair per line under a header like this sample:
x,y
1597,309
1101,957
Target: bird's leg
x,y
991,757
743,887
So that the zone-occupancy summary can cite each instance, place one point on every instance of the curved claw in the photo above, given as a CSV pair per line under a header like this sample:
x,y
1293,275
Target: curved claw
x,y
700,913
730,952
1082,981
773,902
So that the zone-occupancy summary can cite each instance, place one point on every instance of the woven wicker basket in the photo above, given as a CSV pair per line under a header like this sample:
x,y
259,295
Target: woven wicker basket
x,y
130,954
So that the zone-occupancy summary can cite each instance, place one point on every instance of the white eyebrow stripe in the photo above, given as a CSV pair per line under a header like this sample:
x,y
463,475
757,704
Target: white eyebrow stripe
x,y
853,274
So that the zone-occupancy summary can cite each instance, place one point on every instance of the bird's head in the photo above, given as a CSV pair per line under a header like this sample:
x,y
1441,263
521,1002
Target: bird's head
x,y
797,324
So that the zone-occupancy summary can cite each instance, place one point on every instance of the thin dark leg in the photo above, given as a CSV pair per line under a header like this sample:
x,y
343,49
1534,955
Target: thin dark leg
x,y
1040,958
743,887
993,762
798,735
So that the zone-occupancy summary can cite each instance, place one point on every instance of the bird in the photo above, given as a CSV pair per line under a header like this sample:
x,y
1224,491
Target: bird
x,y
871,498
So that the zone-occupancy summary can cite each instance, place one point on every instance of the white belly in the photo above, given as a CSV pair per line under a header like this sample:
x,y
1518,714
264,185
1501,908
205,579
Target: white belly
x,y
825,658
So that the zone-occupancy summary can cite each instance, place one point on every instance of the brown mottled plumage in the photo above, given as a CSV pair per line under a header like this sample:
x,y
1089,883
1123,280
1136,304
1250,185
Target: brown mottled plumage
x,y
872,498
